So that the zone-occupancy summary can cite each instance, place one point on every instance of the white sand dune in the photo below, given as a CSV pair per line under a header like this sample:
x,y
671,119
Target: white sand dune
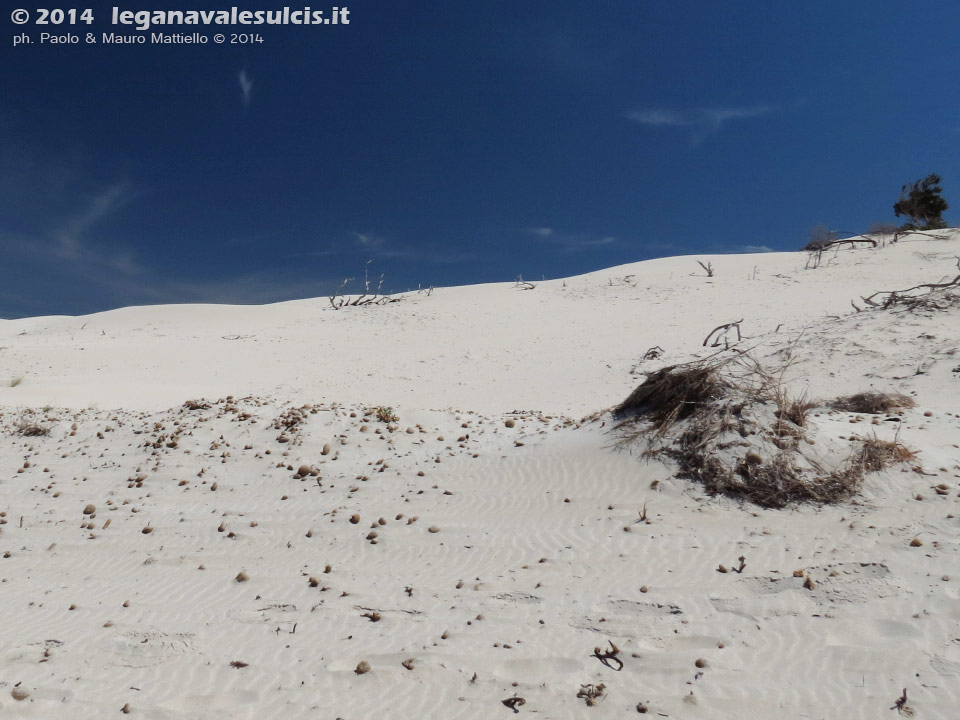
x,y
499,537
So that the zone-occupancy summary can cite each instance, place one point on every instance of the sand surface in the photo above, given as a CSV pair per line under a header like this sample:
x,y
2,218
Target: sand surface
x,y
487,531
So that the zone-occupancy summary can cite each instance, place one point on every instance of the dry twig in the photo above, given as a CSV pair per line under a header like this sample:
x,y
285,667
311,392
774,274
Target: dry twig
x,y
725,328
607,657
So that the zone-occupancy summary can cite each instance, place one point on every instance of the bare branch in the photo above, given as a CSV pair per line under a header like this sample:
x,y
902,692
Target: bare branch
x,y
725,328
895,296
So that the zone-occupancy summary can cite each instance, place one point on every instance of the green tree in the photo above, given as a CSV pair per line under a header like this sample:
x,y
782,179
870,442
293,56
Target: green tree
x,y
921,202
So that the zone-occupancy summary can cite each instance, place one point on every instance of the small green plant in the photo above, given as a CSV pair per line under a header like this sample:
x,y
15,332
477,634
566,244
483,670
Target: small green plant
x,y
385,414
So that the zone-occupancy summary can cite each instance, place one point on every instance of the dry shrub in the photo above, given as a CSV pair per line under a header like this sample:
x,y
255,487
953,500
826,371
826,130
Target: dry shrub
x,y
794,410
872,402
674,393
731,425
929,303
28,427
875,454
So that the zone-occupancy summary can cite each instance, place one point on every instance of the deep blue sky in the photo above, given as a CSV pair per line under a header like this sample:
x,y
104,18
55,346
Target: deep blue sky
x,y
457,142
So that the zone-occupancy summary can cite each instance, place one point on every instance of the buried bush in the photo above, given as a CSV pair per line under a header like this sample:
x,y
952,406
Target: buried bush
x,y
731,425
28,427
674,393
872,402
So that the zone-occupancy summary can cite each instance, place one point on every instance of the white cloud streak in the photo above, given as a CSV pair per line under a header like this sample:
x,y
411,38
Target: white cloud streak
x,y
105,203
246,87
571,242
702,121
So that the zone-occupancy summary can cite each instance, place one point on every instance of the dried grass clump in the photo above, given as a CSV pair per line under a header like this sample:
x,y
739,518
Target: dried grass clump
x,y
794,410
731,425
674,393
872,403
876,454
28,427
591,694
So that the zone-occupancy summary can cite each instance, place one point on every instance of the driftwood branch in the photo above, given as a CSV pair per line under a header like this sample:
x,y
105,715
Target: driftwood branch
x,y
522,284
708,267
895,296
903,233
608,657
337,300
723,330
851,240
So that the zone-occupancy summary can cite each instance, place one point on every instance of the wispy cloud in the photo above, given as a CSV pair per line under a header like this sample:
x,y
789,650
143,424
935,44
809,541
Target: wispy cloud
x,y
69,235
702,122
369,240
246,87
756,249
571,242
383,248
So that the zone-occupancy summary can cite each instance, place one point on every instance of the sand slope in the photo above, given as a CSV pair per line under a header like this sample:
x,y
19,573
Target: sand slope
x,y
499,536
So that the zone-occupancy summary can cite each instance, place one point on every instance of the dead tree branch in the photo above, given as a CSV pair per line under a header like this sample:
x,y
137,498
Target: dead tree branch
x,y
722,331
522,284
895,296
337,300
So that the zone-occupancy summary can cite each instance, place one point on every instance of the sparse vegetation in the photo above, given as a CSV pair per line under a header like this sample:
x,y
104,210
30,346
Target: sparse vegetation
x,y
27,426
816,247
938,296
875,454
872,402
369,296
591,694
730,424
882,228
386,415
674,393
820,238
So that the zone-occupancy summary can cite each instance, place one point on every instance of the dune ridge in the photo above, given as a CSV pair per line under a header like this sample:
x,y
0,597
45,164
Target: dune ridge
x,y
223,511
